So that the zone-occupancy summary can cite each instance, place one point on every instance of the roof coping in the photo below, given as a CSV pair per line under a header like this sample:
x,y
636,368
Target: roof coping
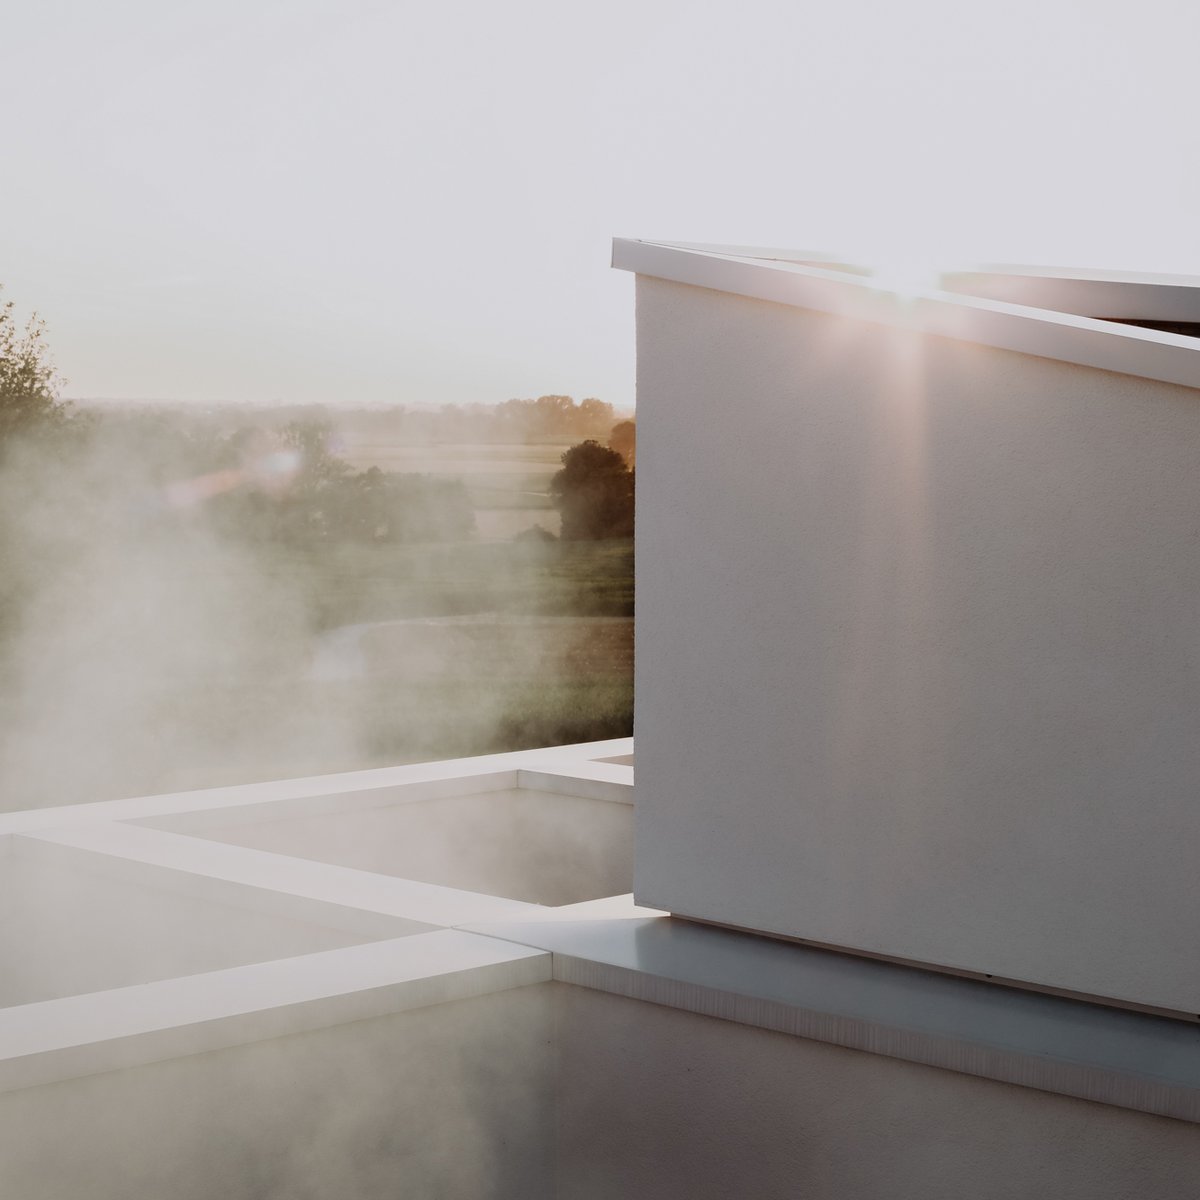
x,y
1073,315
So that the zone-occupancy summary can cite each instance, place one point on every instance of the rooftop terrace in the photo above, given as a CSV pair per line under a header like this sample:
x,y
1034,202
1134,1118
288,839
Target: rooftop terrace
x,y
916,763
260,990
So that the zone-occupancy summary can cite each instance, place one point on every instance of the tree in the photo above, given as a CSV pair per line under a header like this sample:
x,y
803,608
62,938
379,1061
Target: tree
x,y
554,414
594,490
379,506
623,439
316,463
29,384
595,416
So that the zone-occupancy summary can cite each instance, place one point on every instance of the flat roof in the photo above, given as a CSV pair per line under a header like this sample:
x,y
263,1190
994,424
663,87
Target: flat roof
x,y
1072,315
435,945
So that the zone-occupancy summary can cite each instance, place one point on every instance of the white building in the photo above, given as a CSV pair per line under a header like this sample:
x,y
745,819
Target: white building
x,y
916,695
919,617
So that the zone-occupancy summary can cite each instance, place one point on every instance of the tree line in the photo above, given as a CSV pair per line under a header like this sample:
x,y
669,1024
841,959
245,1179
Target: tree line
x,y
546,418
283,481
595,492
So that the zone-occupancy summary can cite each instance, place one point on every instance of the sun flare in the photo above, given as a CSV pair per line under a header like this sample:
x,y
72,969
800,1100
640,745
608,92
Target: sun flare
x,y
905,277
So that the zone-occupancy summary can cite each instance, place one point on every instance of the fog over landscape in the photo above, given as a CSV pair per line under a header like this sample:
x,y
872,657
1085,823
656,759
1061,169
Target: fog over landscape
x,y
191,602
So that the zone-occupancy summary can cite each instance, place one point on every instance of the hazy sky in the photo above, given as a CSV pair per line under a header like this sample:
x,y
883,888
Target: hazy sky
x,y
377,201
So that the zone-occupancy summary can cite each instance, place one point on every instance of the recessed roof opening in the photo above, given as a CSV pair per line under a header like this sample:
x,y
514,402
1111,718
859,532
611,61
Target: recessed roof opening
x,y
519,843
1165,303
1186,328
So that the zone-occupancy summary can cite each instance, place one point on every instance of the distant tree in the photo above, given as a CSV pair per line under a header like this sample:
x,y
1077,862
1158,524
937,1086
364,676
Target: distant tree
x,y
358,507
594,491
595,416
158,446
29,384
554,414
623,439
535,535
311,441
379,506
303,511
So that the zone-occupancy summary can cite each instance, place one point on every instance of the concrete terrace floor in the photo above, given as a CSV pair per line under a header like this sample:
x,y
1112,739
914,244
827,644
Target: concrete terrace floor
x,y
431,980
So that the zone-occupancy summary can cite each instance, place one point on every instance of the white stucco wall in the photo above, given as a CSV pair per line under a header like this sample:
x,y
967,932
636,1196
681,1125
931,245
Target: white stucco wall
x,y
656,1104
918,635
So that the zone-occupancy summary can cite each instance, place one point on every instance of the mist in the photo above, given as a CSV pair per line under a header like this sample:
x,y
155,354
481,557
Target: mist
x,y
192,601
132,628
189,600
455,1099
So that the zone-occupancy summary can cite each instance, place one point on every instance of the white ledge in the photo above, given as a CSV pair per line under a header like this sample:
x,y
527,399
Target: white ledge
x,y
125,1027
1127,1059
290,886
374,787
1068,337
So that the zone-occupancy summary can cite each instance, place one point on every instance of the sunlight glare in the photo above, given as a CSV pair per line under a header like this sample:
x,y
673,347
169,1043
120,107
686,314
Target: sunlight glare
x,y
906,277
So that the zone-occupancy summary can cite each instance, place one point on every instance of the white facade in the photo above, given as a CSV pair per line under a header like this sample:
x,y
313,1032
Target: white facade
x,y
918,623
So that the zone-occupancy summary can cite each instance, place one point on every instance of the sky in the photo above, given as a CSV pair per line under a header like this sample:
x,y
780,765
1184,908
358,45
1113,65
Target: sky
x,y
355,201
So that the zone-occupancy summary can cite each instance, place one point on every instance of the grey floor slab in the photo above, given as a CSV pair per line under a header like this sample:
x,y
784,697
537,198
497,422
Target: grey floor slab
x,y
1069,1046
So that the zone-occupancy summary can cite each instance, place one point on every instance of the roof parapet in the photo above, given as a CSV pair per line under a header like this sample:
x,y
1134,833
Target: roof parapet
x,y
1075,316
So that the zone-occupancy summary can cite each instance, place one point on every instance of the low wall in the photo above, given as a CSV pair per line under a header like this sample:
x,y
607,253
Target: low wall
x,y
656,1104
453,1100
555,1092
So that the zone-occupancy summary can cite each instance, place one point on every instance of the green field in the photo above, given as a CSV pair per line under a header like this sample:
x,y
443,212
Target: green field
x,y
357,654
509,484
383,653
352,583
459,649
460,459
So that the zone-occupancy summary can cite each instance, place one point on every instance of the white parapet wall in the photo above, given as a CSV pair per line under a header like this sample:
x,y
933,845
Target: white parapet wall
x,y
187,1013
918,625
239,993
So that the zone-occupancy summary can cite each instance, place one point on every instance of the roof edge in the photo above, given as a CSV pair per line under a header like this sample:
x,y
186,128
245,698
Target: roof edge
x,y
1044,331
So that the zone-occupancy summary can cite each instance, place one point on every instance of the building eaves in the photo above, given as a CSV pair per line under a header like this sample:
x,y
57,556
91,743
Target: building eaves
x,y
1072,316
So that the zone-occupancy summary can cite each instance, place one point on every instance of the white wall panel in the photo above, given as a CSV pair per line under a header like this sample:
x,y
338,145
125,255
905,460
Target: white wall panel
x,y
918,646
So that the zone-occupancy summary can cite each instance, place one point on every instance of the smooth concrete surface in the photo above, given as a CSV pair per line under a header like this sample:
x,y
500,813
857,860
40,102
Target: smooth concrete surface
x,y
657,1104
555,1091
1089,1051
132,1026
376,905
527,844
452,1100
65,930
550,1051
917,663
